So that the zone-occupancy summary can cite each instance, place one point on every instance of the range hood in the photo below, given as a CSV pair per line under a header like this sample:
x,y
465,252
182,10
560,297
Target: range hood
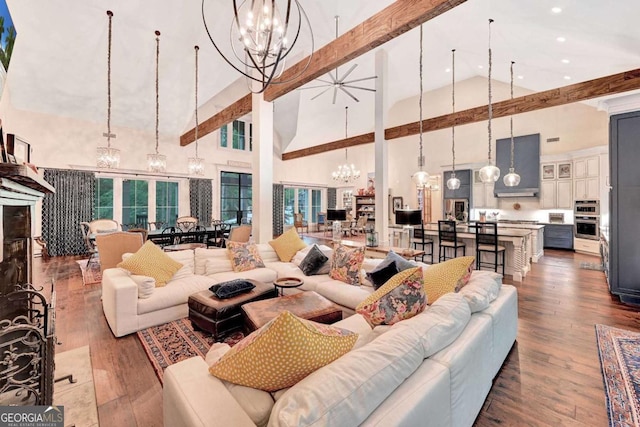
x,y
526,162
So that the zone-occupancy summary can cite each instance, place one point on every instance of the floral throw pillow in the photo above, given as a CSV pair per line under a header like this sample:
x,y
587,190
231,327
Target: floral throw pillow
x,y
244,256
402,297
346,264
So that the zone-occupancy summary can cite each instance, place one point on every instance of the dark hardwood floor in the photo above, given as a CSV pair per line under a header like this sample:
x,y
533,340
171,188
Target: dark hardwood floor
x,y
551,377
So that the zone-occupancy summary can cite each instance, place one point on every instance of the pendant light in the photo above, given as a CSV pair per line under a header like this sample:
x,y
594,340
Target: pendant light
x,y
157,162
421,178
346,173
196,164
512,179
108,157
453,183
489,173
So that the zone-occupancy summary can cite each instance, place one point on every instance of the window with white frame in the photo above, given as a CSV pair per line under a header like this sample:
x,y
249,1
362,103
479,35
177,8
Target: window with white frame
x,y
237,135
306,201
104,198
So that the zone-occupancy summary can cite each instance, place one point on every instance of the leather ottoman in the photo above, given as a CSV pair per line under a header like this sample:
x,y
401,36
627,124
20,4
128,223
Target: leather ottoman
x,y
220,317
307,305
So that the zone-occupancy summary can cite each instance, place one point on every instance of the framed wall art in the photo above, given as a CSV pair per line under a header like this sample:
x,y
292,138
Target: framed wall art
x,y
564,170
549,171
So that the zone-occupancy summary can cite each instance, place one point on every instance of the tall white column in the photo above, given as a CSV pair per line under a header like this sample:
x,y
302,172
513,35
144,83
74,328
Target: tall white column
x,y
262,177
381,159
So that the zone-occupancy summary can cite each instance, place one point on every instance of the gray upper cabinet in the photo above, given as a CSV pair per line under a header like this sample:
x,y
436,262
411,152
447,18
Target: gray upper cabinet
x,y
464,192
526,161
624,244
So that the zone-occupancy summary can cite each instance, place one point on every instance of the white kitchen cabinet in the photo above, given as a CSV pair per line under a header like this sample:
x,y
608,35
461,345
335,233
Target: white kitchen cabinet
x,y
556,194
483,196
589,167
556,186
586,183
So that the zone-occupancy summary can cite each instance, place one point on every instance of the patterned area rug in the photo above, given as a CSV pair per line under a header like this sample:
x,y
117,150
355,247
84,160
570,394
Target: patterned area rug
x,y
175,341
91,275
620,361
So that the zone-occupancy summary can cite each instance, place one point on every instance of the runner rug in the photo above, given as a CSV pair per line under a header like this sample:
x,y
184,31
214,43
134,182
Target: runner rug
x,y
92,274
619,351
175,341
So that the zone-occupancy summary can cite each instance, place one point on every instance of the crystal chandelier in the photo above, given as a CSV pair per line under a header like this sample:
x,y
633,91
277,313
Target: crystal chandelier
x,y
262,34
108,157
512,179
453,183
421,178
196,164
346,173
157,162
489,173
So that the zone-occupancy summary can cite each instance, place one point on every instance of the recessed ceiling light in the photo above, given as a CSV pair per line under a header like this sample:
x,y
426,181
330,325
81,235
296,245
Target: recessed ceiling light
x,y
480,66
556,9
447,70
567,77
521,77
561,39
565,61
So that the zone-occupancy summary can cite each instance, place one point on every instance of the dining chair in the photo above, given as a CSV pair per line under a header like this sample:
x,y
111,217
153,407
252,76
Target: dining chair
x,y
195,234
169,236
321,221
421,242
184,223
85,228
448,239
487,242
103,226
361,224
113,245
300,223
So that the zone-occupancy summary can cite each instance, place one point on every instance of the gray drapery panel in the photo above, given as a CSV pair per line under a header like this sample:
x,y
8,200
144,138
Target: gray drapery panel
x,y
201,199
278,209
332,198
62,212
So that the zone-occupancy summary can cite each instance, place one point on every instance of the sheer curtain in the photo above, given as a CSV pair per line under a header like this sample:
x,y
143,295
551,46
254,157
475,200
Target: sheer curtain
x,y
201,200
63,211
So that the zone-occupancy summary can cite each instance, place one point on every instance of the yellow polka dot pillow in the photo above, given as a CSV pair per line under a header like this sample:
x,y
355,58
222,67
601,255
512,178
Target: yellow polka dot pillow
x,y
282,352
244,256
448,276
151,261
402,297
287,245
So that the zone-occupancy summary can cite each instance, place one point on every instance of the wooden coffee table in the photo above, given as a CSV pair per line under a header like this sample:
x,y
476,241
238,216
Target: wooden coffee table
x,y
307,305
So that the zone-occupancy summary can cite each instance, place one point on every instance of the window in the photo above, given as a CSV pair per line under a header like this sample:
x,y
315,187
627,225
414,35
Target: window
x,y
238,136
306,201
316,204
166,202
104,198
235,197
135,201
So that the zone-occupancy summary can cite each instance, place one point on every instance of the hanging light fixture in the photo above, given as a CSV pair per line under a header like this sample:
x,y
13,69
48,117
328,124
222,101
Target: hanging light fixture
x,y
489,173
157,162
108,157
421,178
512,179
347,172
261,39
453,183
196,164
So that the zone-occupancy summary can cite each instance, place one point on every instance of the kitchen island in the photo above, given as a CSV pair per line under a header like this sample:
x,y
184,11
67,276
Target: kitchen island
x,y
517,243
537,235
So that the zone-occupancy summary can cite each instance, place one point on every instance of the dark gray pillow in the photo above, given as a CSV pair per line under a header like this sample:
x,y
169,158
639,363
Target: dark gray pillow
x,y
231,288
400,262
379,276
313,261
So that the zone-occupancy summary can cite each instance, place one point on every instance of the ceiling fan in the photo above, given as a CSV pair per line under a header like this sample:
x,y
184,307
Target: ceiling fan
x,y
338,82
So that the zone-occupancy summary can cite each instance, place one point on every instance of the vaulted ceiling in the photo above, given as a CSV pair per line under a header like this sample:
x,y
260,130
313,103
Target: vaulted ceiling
x,y
59,60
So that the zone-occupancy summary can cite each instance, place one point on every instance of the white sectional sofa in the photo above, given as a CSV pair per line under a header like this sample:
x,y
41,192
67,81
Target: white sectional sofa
x,y
435,369
126,313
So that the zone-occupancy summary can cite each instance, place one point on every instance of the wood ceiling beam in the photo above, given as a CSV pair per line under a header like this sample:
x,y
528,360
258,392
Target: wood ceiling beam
x,y
234,111
616,83
393,21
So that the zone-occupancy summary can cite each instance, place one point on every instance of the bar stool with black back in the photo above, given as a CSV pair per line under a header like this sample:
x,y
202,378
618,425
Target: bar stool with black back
x,y
487,241
448,240
421,241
